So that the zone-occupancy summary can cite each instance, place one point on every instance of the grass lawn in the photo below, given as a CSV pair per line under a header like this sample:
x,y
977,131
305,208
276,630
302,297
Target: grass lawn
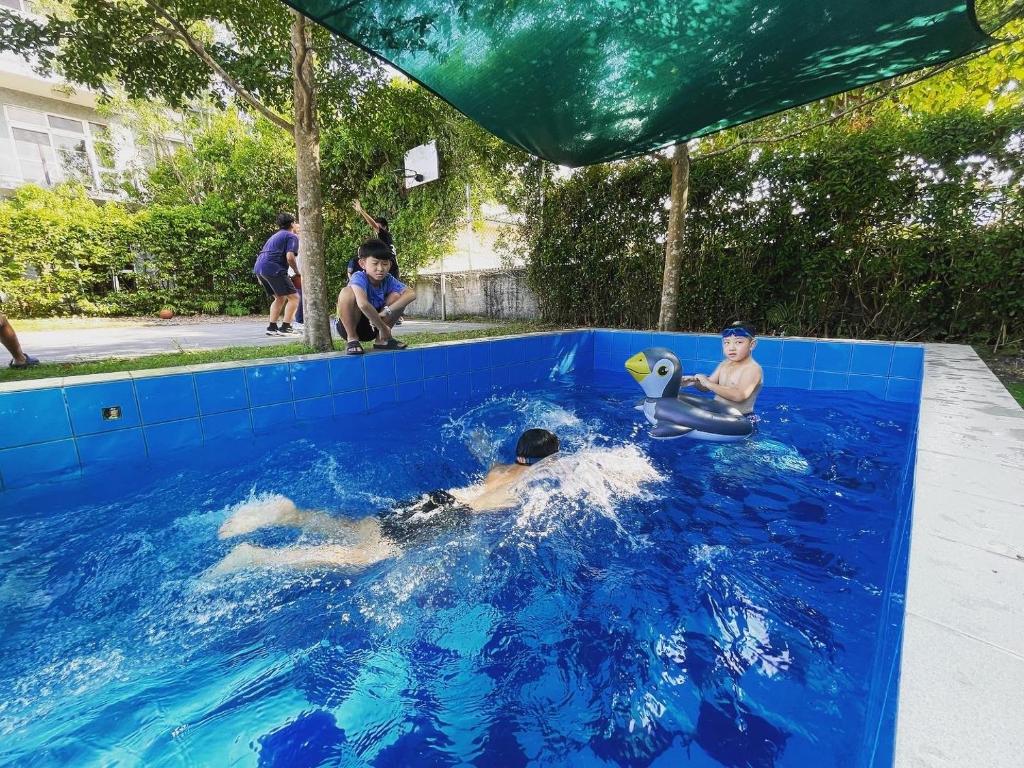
x,y
186,357
1017,390
1008,365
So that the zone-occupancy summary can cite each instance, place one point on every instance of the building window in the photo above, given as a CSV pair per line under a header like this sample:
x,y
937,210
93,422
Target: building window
x,y
52,148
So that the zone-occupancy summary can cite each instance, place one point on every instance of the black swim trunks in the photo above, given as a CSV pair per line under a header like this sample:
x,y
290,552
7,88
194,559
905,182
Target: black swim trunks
x,y
427,516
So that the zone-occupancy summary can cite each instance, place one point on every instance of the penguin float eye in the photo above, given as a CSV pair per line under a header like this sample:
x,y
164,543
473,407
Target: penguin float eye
x,y
663,370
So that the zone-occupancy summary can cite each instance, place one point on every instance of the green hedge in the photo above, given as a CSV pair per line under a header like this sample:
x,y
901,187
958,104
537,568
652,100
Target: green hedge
x,y
61,251
901,229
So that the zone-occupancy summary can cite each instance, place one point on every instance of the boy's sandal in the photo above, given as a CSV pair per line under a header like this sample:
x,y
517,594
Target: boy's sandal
x,y
29,362
353,348
391,344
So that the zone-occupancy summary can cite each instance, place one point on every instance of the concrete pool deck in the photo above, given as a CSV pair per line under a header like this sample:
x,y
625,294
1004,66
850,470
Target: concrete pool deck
x,y
961,700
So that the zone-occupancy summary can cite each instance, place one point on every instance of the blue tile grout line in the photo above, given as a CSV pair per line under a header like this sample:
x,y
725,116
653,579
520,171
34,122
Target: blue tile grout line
x,y
536,355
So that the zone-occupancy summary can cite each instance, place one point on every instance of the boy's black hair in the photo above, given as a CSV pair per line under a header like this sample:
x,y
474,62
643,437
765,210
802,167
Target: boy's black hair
x,y
749,327
381,220
285,220
535,444
378,249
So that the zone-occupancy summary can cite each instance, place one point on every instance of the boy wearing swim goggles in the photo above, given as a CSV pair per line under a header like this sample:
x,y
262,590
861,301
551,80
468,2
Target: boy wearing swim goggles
x,y
737,380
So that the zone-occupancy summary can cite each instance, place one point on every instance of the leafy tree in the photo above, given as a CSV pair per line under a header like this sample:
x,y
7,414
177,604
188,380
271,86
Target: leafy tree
x,y
177,50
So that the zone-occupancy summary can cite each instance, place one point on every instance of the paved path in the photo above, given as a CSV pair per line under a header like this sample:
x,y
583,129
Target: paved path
x,y
148,338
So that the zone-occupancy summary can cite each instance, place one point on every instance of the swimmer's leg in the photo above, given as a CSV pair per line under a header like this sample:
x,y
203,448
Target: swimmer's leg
x,y
249,556
281,511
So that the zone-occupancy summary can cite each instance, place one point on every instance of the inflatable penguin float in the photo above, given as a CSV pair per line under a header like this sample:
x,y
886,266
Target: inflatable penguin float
x,y
658,372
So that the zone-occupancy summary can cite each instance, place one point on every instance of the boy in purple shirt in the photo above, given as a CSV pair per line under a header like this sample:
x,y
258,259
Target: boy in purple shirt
x,y
271,269
373,301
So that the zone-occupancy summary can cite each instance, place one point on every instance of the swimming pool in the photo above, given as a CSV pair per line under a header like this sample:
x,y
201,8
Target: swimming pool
x,y
648,604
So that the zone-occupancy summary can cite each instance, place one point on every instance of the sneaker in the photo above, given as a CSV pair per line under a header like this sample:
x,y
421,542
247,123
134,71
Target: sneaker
x,y
272,330
287,330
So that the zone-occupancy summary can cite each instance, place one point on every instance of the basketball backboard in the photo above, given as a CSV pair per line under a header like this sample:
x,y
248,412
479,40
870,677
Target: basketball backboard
x,y
421,165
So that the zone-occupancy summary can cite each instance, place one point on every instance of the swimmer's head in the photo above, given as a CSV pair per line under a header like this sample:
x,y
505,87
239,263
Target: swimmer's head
x,y
534,445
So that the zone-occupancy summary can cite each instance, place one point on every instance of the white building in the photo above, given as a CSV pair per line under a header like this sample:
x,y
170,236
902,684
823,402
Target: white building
x,y
51,131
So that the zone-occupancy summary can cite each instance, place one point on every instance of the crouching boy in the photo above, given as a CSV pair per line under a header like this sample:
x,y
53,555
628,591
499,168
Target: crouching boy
x,y
373,301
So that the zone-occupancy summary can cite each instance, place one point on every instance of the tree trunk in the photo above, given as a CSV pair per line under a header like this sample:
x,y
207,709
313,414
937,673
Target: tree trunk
x,y
668,317
307,172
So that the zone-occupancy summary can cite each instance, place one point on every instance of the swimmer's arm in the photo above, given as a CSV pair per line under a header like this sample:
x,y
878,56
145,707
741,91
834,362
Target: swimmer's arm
x,y
744,388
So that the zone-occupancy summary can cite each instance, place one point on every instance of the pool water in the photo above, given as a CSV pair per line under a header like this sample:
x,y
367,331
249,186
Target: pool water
x,y
648,603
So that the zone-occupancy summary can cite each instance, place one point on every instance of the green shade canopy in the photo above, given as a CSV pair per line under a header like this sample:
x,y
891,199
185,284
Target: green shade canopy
x,y
580,82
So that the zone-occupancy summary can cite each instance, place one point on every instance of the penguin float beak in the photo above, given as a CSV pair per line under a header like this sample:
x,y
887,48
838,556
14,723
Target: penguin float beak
x,y
638,367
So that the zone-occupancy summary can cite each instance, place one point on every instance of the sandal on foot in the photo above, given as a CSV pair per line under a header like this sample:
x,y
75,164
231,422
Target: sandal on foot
x,y
391,344
353,348
29,362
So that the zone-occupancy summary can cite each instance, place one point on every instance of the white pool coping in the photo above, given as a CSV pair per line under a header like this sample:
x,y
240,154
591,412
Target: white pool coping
x,y
961,700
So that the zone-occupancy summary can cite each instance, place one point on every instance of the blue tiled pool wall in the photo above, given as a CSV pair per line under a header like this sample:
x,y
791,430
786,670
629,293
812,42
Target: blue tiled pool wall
x,y
889,371
879,745
60,431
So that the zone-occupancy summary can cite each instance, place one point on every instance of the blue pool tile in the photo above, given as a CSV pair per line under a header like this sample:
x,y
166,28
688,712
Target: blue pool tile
x,y
37,416
871,359
548,346
458,358
479,355
30,464
227,426
86,404
605,357
123,447
379,397
833,356
350,402
480,383
907,362
709,347
380,369
410,390
173,436
691,366
435,362
436,389
271,417
541,370
798,354
310,378
542,346
771,376
875,385
683,344
348,374
797,379
768,352
166,398
639,341
268,384
221,391
620,347
828,380
409,365
458,386
584,341
511,377
903,390
314,409
508,352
